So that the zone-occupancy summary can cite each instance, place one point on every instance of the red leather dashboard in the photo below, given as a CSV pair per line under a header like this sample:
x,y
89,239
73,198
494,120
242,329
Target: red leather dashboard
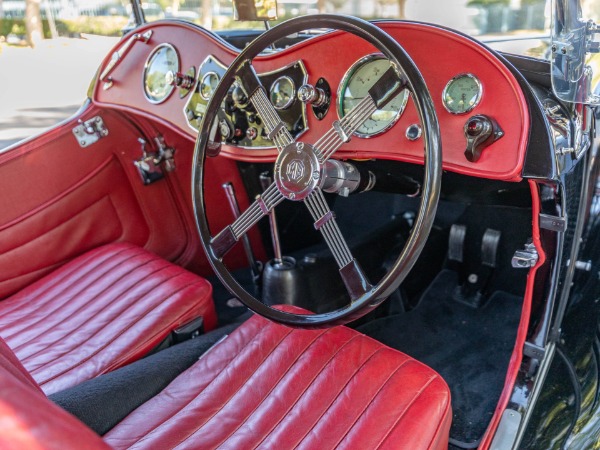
x,y
439,54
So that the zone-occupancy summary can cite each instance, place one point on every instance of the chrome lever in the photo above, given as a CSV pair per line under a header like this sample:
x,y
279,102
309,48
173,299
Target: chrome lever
x,y
255,266
119,54
266,181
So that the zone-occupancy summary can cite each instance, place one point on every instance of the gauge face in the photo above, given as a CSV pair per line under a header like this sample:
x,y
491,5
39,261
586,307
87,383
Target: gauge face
x,y
208,85
163,60
355,86
462,94
283,92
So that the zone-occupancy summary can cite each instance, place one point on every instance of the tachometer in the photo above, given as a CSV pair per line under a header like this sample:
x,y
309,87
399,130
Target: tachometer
x,y
162,60
462,94
355,86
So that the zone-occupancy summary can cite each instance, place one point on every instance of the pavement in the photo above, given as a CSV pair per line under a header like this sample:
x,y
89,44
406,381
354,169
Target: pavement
x,y
43,86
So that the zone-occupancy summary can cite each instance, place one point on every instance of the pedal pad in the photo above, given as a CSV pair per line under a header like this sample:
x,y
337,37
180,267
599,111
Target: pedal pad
x,y
489,247
456,243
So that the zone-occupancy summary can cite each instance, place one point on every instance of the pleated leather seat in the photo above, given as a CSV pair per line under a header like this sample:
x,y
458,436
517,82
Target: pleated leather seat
x,y
99,312
264,386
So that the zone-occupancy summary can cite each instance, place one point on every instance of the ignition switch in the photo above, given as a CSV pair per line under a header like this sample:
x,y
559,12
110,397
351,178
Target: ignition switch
x,y
480,131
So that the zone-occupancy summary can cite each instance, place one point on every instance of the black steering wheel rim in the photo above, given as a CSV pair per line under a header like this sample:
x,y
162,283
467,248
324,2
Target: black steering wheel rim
x,y
429,193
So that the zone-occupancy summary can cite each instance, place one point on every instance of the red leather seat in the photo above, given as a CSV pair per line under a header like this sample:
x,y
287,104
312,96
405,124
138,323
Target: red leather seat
x,y
99,312
264,386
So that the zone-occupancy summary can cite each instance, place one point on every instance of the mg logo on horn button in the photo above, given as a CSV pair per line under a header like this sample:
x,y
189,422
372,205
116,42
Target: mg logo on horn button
x,y
295,170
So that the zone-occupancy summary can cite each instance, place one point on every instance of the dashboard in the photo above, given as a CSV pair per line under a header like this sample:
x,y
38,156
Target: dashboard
x,y
167,72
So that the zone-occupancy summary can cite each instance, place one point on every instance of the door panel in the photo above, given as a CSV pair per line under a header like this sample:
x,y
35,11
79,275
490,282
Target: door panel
x,y
60,200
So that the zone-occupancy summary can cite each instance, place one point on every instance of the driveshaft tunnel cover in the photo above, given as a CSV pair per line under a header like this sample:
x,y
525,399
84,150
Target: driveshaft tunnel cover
x,y
297,171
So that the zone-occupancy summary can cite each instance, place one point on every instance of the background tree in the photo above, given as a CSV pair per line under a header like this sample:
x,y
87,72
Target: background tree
x,y
33,22
402,9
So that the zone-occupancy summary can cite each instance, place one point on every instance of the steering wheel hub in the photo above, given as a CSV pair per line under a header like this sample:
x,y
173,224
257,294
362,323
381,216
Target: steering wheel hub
x,y
297,171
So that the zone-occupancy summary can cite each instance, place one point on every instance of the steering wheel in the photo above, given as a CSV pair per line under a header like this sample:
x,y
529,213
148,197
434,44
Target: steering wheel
x,y
312,157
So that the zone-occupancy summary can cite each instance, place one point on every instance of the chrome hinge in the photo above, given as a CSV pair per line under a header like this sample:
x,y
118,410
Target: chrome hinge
x,y
90,131
534,351
553,223
526,258
150,165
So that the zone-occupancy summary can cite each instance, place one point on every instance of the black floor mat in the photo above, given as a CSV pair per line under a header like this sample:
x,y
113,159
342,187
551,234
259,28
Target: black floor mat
x,y
470,348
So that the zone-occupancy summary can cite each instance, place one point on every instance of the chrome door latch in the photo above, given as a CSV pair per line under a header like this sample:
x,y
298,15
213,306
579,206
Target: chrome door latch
x,y
150,165
90,131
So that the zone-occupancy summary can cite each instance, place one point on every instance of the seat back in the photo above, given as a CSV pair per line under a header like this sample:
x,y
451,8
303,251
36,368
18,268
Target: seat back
x,y
29,420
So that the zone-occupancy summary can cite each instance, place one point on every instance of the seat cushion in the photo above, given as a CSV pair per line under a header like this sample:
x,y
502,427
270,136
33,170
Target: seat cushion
x,y
99,312
270,386
31,421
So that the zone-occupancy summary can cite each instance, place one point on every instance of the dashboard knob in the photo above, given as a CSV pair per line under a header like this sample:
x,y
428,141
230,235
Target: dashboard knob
x,y
179,79
307,93
480,131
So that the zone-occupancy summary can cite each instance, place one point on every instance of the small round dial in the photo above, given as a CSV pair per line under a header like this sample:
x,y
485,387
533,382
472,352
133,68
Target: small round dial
x,y
162,60
355,86
208,85
283,92
462,94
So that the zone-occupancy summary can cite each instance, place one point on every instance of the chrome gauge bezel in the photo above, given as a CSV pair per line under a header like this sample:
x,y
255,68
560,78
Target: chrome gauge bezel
x,y
206,75
477,99
290,100
344,83
146,66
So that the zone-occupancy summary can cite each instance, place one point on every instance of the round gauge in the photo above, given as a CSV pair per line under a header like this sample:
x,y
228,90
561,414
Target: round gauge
x,y
462,94
355,86
208,85
283,92
162,60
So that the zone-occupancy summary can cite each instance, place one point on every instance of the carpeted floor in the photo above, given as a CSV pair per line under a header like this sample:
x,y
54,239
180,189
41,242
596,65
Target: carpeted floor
x,y
470,348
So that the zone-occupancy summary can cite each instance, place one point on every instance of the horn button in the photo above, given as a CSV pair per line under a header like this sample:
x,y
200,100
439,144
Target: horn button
x,y
297,171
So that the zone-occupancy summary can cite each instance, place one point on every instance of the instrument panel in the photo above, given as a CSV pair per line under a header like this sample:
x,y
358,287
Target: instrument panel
x,y
469,85
239,125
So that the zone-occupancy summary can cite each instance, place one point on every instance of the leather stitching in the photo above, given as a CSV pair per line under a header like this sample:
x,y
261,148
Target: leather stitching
x,y
16,300
117,313
375,394
285,413
275,385
356,370
406,408
116,336
234,357
80,308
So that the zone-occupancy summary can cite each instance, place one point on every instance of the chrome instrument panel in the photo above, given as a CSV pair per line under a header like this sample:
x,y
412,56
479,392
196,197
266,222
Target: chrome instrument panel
x,y
239,125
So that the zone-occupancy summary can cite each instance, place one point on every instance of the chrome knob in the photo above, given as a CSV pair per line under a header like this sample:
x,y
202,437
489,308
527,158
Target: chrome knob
x,y
307,93
179,80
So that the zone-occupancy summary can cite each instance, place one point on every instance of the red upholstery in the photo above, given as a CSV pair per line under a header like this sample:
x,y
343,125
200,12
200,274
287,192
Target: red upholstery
x,y
31,421
270,386
264,386
101,311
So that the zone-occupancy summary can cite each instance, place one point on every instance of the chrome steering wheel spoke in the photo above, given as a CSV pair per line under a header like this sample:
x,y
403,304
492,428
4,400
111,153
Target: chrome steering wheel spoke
x,y
352,274
230,235
274,126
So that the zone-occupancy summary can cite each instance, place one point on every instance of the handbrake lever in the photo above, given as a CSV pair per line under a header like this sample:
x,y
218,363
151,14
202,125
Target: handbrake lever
x,y
266,180
255,266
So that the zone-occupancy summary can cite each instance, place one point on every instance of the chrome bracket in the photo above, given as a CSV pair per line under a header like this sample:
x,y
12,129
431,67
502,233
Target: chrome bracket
x,y
90,131
534,351
526,258
553,223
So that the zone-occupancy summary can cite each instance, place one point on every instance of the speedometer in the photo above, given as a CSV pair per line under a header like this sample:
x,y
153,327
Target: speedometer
x,y
355,86
162,60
